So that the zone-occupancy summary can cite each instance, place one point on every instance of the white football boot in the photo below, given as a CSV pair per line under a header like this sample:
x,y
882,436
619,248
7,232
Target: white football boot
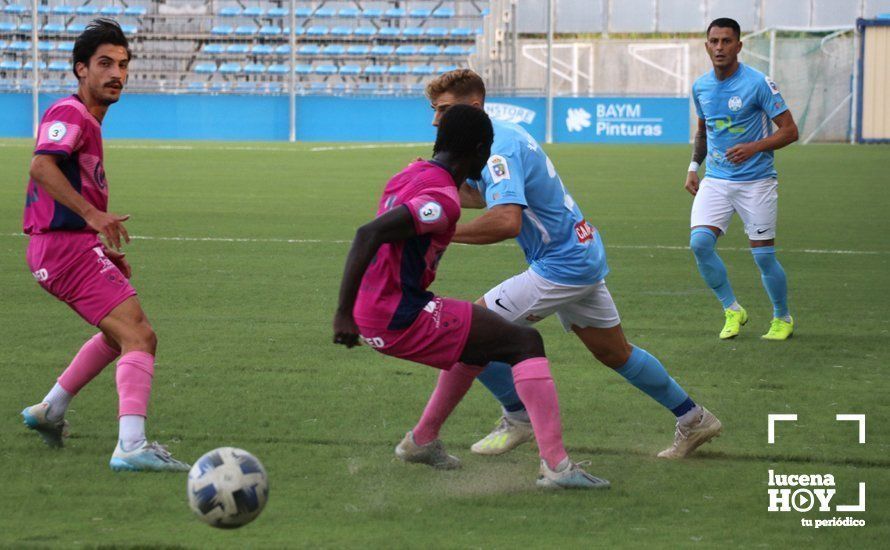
x,y
507,435
570,476
150,457
690,437
433,453
53,433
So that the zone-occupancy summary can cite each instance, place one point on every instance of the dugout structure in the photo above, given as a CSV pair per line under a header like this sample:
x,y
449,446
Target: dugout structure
x,y
873,84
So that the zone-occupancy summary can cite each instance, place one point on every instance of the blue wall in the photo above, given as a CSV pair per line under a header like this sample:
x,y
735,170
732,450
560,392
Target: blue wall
x,y
325,118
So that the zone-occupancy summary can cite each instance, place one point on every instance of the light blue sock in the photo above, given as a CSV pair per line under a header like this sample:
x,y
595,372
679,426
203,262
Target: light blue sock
x,y
773,277
498,378
702,241
647,374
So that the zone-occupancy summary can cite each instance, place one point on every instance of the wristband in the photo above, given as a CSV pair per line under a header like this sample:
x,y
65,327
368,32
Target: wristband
x,y
693,166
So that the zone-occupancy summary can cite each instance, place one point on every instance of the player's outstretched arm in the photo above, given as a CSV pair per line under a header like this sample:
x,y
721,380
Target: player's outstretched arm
x,y
699,151
470,198
502,222
395,225
786,134
45,171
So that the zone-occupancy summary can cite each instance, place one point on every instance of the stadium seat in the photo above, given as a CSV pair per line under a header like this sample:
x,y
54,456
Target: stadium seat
x,y
254,68
395,13
230,11
303,12
333,50
436,32
303,69
197,86
365,31
318,86
205,68
398,70
25,27
19,46
86,10
277,68
416,87
15,9
348,13
261,49
230,68
62,9
368,87
253,11
270,30
41,66
445,68
237,48
65,46
283,49
412,32
444,12
111,11
372,13
390,32
59,66
350,70
213,49
3,44
374,70
454,50
339,88
420,13
325,13
43,9
245,87
317,30
422,70
406,50
341,31
54,28
46,46
222,30
75,28
129,29
274,87
300,31
308,50
326,70
277,12
219,86
10,65
383,50
461,32
7,27
358,50
135,11
429,49
245,30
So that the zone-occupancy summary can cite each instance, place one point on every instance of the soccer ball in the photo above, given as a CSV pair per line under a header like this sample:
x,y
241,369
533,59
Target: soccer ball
x,y
227,487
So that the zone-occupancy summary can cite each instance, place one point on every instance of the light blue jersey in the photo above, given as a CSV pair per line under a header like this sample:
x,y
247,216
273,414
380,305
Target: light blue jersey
x,y
559,244
738,110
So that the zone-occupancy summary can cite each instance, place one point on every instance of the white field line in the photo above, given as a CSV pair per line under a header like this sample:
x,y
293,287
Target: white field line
x,y
615,246
318,149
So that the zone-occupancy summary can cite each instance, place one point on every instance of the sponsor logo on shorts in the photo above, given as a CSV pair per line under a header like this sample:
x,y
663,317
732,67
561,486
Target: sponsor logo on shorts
x,y
41,275
56,131
430,212
584,231
762,231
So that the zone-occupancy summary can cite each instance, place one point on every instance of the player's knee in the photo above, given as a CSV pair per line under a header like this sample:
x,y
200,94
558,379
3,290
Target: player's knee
x,y
702,241
613,358
531,344
141,338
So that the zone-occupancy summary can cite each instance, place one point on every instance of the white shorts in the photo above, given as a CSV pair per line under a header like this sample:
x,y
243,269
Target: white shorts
x,y
757,203
528,298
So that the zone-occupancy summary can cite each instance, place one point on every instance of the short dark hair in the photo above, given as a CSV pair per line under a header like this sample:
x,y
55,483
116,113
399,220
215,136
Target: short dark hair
x,y
461,130
725,23
98,32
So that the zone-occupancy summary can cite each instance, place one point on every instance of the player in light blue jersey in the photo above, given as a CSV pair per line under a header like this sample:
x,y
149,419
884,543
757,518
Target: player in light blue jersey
x,y
527,200
735,106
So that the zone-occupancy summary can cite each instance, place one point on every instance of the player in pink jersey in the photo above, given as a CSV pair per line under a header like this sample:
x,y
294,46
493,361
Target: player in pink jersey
x,y
384,301
66,207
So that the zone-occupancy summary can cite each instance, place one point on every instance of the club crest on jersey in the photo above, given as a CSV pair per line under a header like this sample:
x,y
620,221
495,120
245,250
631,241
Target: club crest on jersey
x,y
56,131
735,103
497,167
430,212
772,85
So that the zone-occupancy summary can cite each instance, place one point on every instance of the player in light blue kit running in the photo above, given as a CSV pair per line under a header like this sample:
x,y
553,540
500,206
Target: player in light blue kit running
x,y
567,265
735,104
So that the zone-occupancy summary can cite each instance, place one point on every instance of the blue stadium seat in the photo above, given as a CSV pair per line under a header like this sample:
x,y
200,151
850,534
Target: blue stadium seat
x,y
43,9
317,30
65,46
15,9
253,11
422,70
374,70
197,86
395,13
383,50
19,46
390,32
446,68
111,11
262,49
278,68
62,9
368,87
412,32
303,12
429,49
372,13
7,27
309,49
205,68
219,86
54,28
358,50
245,87
348,13
339,88
75,28
283,49
270,30
10,65
398,70
326,70
365,31
245,30
26,27
239,49
86,10
41,66
454,50
436,32
230,11
230,68
350,70
461,32
406,50
325,13
416,87
334,50
318,87
444,12
277,12
254,68
135,11
420,13
59,66
274,87
3,44
341,31
45,46
303,69
485,12
213,49
129,29
222,30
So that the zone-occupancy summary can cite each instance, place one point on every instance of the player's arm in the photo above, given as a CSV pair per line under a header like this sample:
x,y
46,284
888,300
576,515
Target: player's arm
x,y
502,222
470,197
699,152
786,134
395,225
45,171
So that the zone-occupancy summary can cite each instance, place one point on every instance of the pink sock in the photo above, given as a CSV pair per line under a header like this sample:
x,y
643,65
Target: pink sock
x,y
93,356
538,392
450,389
134,372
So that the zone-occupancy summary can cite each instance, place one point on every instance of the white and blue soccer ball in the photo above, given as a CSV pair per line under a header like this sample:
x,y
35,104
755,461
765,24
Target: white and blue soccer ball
x,y
228,487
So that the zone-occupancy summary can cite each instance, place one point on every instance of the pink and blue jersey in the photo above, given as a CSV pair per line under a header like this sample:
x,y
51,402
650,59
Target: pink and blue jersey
x,y
68,131
394,288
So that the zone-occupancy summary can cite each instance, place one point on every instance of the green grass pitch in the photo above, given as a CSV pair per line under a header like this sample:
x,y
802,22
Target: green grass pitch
x,y
237,258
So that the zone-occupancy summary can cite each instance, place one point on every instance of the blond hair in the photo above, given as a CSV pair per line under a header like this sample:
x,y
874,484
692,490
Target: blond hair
x,y
460,82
